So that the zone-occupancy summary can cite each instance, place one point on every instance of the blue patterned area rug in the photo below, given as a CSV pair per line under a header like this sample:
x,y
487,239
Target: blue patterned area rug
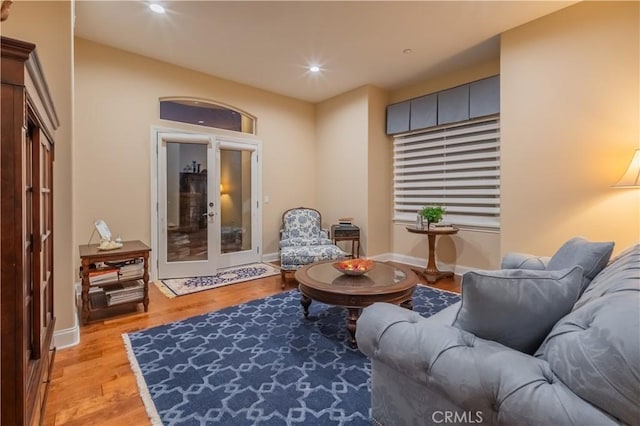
x,y
259,363
180,286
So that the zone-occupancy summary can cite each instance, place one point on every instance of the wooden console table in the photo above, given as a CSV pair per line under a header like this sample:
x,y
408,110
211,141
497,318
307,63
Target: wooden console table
x,y
130,250
431,273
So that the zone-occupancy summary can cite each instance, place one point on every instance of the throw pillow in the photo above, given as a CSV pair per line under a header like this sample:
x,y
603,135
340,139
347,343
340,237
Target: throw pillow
x,y
591,256
516,307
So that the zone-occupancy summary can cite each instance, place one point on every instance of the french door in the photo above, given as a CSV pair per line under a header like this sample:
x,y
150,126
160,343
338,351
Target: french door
x,y
207,202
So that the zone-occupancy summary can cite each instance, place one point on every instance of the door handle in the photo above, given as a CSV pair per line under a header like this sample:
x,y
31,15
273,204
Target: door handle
x,y
210,214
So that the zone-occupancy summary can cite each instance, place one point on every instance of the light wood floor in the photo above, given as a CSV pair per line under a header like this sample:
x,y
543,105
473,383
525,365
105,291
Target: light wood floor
x,y
93,383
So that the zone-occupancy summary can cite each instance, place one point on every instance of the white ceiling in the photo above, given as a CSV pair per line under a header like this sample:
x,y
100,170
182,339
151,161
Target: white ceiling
x,y
269,44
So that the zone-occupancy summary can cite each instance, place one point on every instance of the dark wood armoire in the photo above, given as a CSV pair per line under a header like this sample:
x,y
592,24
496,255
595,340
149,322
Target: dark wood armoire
x,y
26,235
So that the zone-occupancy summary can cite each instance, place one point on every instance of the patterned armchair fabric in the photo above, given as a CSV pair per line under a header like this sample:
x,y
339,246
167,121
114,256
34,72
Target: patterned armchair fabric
x,y
302,223
304,241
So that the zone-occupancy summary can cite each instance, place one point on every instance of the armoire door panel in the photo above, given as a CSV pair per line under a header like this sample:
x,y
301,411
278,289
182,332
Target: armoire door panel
x,y
26,275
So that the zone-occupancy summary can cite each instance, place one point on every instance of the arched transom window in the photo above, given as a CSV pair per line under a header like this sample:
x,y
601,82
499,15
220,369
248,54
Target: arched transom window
x,y
206,113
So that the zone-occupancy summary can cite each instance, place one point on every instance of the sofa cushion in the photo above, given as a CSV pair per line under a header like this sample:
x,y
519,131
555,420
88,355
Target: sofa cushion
x,y
591,256
299,242
295,257
516,307
595,350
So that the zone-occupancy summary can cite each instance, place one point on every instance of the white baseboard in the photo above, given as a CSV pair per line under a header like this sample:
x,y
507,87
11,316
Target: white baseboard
x,y
67,337
271,257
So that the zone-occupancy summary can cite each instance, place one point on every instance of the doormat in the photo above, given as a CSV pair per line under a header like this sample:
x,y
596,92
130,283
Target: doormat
x,y
180,286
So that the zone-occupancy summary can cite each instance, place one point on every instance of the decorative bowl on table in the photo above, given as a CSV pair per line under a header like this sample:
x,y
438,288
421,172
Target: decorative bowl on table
x,y
354,266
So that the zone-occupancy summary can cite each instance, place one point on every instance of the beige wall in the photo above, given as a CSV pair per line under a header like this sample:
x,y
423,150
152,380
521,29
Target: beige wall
x,y
380,172
469,248
354,168
117,96
341,156
570,124
48,25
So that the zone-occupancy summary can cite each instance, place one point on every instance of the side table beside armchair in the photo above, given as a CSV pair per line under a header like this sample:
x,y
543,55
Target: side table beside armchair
x,y
347,233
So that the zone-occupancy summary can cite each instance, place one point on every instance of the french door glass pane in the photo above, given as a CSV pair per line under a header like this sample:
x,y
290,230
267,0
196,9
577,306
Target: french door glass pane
x,y
235,200
186,202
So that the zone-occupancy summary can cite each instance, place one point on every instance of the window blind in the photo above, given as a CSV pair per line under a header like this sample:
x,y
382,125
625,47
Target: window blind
x,y
455,166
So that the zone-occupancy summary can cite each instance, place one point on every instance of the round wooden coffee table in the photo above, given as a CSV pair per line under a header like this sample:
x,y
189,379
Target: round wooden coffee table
x,y
384,283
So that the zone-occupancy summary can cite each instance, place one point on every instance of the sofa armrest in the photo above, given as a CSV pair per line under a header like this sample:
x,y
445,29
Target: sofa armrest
x,y
524,261
405,340
506,386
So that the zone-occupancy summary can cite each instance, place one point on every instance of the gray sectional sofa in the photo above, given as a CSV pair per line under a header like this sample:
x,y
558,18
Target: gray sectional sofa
x,y
543,341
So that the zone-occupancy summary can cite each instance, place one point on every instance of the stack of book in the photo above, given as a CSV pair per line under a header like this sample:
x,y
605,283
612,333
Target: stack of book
x,y
132,270
345,221
97,297
442,226
125,292
101,276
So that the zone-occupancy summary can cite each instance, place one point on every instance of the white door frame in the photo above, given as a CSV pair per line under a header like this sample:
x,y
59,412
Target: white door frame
x,y
217,139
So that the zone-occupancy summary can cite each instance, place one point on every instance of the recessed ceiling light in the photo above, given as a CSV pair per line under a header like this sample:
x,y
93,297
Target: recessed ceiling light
x,y
407,51
156,8
314,68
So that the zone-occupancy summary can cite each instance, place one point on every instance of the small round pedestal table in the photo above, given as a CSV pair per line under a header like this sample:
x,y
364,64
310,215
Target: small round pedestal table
x,y
431,272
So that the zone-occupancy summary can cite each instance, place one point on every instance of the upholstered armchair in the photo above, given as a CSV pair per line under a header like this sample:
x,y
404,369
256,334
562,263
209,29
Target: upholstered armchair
x,y
304,241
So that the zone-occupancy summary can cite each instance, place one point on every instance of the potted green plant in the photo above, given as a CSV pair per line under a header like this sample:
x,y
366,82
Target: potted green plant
x,y
432,214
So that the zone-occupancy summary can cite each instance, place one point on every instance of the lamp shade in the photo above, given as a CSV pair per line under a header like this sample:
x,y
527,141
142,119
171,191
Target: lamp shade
x,y
631,178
